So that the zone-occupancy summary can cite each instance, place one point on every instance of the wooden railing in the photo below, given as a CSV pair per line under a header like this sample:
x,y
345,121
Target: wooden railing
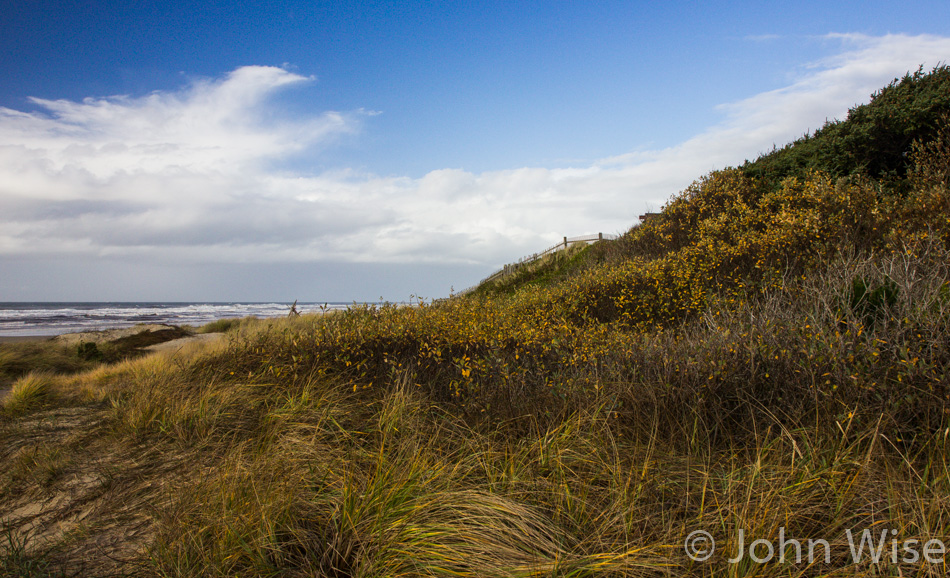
x,y
512,267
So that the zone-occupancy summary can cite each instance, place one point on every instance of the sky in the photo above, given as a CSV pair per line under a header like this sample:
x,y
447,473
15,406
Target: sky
x,y
357,151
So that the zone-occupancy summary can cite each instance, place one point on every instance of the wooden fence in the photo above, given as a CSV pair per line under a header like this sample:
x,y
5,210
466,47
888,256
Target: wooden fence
x,y
512,267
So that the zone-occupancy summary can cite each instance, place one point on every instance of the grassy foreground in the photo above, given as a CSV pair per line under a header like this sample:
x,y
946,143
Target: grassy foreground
x,y
769,360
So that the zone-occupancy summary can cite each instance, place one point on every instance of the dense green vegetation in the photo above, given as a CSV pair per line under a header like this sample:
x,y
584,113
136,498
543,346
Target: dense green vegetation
x,y
874,140
770,356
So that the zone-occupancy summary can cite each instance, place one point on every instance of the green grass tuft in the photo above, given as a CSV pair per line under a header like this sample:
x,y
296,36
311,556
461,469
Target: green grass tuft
x,y
29,392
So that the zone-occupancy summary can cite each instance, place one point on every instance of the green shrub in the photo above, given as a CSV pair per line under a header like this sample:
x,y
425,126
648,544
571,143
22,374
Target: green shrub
x,y
872,304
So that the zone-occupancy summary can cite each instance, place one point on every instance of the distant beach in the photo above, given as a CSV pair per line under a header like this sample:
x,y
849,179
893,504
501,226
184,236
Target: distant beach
x,y
19,338
25,321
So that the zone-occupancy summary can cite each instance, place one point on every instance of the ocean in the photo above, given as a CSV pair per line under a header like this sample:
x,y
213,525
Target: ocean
x,y
19,319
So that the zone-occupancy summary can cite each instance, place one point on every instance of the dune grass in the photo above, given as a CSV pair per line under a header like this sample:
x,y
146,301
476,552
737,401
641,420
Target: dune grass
x,y
312,478
317,467
29,392
223,325
18,359
742,419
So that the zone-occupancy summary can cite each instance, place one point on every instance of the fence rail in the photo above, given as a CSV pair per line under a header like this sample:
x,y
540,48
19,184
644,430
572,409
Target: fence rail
x,y
512,267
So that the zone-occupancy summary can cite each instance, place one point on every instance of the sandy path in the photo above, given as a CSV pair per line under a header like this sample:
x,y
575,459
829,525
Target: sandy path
x,y
109,334
177,343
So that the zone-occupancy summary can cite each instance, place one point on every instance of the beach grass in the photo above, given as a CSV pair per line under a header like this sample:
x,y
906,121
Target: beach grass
x,y
306,467
19,358
224,325
28,392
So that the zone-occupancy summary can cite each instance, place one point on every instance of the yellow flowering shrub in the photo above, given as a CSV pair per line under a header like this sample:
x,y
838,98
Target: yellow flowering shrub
x,y
677,287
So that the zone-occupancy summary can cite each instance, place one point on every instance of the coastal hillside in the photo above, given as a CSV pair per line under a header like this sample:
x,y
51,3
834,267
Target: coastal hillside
x,y
768,359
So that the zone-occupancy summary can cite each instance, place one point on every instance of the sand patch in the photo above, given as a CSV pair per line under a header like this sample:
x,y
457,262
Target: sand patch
x,y
182,341
110,335
74,497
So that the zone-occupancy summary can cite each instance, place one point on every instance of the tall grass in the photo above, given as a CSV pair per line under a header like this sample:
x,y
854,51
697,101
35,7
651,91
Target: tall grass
x,y
29,392
18,359
789,413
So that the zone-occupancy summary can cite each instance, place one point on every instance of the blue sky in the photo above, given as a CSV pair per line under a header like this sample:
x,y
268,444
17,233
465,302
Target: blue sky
x,y
351,151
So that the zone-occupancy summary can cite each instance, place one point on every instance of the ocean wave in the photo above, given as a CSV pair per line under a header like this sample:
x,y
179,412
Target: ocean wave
x,y
58,318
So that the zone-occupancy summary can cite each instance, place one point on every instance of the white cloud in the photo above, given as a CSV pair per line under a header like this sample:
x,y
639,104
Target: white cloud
x,y
189,175
212,125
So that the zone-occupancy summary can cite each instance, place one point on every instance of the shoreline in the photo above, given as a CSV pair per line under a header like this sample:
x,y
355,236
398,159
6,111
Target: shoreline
x,y
92,336
110,335
24,338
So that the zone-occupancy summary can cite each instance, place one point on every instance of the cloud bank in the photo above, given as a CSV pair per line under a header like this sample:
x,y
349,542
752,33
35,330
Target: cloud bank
x,y
198,175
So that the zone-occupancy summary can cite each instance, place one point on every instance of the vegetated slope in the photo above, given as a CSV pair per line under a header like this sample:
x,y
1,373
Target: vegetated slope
x,y
874,140
771,354
549,269
873,148
850,270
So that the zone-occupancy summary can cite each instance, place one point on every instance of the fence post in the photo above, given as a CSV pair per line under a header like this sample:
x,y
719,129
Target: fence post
x,y
600,236
565,242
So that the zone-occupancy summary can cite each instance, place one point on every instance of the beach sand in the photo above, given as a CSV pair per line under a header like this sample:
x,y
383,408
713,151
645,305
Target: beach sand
x,y
107,335
172,340
88,336
180,342
19,338
146,338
